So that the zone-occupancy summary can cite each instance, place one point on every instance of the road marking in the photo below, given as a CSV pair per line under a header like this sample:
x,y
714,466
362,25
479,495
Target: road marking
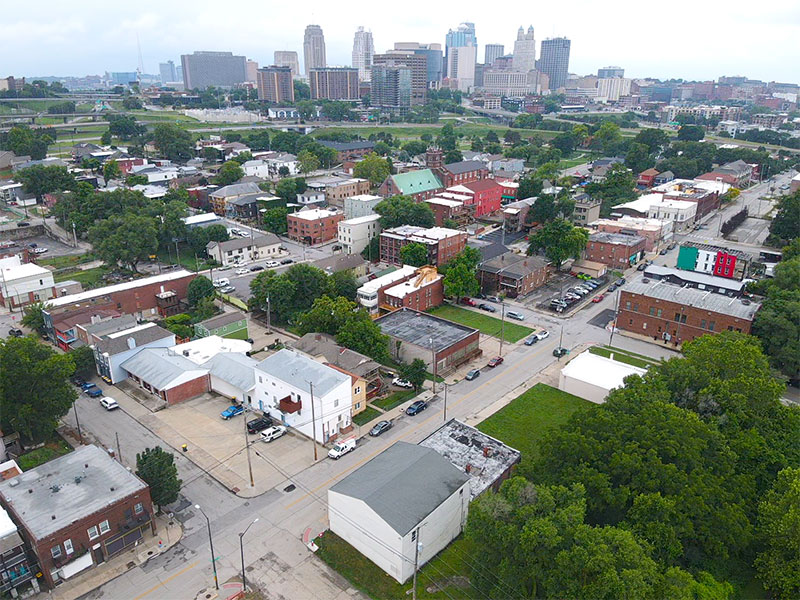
x,y
167,580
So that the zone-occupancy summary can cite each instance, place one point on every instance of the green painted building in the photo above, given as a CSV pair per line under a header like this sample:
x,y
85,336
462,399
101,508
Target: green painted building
x,y
227,325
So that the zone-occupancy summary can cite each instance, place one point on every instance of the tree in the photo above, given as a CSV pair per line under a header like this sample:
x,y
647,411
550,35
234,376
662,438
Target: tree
x,y
543,211
229,173
289,188
23,141
364,336
414,254
373,250
157,469
274,220
345,284
199,237
180,325
35,391
273,292
655,139
402,210
777,325
785,225
560,240
778,565
83,357
453,156
105,139
33,317
302,91
691,133
128,239
414,147
638,158
204,309
132,180
173,142
200,287
373,167
308,161
414,372
329,315
111,171
132,103
124,127
565,142
40,180
529,187
242,157
607,137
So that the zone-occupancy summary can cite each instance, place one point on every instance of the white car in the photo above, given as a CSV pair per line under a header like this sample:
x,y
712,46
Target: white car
x,y
272,433
227,289
341,448
108,403
271,264
39,250
220,283
403,383
543,335
242,271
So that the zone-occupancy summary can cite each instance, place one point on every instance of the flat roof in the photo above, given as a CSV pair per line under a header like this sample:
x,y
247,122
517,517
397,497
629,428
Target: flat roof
x,y
401,290
119,287
642,203
365,198
314,214
24,270
162,368
383,280
360,220
445,202
418,328
604,237
203,349
695,277
599,370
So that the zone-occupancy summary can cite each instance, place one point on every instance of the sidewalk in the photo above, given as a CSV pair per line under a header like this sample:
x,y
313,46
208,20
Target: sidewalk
x,y
166,536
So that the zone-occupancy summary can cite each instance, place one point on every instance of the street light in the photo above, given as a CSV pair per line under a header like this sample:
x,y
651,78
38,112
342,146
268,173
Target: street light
x,y
241,549
211,543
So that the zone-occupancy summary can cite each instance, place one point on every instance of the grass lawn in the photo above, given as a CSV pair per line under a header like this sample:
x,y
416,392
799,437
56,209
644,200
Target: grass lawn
x,y
365,416
395,399
623,356
89,278
522,423
488,325
52,449
62,262
188,260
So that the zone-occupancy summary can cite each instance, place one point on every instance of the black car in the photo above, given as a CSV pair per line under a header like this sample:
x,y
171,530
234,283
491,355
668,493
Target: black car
x,y
380,427
641,267
559,352
14,332
416,407
23,224
664,251
487,307
287,261
256,268
259,424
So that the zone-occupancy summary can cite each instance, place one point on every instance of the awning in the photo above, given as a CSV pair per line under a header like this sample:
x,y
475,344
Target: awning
x,y
77,565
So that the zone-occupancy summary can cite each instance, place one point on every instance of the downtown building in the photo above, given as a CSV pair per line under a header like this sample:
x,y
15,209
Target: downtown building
x,y
491,52
363,50
217,69
463,35
287,58
417,63
334,83
554,61
433,57
313,49
275,84
524,51
390,87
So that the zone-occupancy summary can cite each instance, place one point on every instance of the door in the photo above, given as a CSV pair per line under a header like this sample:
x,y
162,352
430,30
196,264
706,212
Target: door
x,y
99,557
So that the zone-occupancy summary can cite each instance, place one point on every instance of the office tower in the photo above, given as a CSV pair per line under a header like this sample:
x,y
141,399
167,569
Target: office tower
x,y
334,83
167,71
512,84
218,69
251,70
464,35
613,88
391,87
418,63
461,66
275,84
525,51
608,72
554,61
287,58
123,77
433,56
363,49
313,49
491,52
178,73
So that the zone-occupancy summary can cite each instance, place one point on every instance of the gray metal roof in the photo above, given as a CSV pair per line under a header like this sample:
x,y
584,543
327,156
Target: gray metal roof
x,y
161,367
420,329
110,325
222,320
298,369
54,495
260,241
120,343
464,166
317,344
403,484
615,238
236,189
233,368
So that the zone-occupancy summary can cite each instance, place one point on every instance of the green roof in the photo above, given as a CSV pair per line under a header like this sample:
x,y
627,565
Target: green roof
x,y
415,182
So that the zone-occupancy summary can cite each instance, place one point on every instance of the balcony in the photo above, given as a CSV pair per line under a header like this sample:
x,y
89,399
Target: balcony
x,y
289,406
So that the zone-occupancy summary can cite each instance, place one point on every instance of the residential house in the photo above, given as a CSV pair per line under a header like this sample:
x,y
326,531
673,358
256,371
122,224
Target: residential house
x,y
22,284
113,349
616,250
445,210
231,324
256,168
369,294
738,173
219,198
423,291
68,325
244,249
586,209
337,263
314,226
233,375
355,234
95,324
358,390
244,208
337,189
515,215
663,178
646,178
513,275
361,205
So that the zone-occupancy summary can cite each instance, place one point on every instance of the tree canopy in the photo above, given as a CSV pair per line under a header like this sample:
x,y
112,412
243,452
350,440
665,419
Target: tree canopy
x,y
560,240
402,210
173,143
157,469
374,168
414,254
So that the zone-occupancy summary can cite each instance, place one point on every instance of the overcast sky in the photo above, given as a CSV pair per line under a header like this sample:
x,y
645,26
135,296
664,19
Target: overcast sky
x,y
692,39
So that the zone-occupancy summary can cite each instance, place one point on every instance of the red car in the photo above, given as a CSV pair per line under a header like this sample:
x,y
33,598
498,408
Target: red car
x,y
598,298
495,361
469,302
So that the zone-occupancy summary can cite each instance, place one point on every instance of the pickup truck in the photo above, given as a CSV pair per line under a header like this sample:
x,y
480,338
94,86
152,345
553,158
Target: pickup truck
x,y
341,448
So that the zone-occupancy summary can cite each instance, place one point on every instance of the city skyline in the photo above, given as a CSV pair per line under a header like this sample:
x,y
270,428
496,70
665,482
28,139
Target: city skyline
x,y
44,45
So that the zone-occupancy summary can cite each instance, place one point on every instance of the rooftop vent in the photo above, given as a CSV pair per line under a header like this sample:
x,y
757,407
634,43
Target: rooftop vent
x,y
54,488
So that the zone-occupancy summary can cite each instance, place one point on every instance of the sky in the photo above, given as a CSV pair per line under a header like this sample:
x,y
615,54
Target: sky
x,y
689,39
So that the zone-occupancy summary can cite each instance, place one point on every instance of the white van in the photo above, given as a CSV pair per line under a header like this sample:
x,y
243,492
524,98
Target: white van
x,y
341,448
218,283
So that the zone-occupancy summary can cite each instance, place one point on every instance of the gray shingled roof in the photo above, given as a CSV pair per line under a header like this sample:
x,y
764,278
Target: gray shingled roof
x,y
403,484
464,166
222,320
266,239
317,344
236,189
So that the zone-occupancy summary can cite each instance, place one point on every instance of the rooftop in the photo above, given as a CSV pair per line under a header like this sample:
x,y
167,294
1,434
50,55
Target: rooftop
x,y
200,219
464,166
200,350
110,289
127,339
297,370
384,280
266,239
222,320
514,265
402,290
604,237
364,198
314,214
339,262
445,202
234,368
162,368
641,204
110,325
54,495
420,329
481,185
414,182
236,189
403,484
695,277
360,220
641,223
711,248
320,344
599,370
12,273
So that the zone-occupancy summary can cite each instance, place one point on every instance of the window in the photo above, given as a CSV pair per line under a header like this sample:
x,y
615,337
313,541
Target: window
x,y
710,325
658,313
358,389
627,305
703,324
67,547
138,508
644,325
104,527
55,551
92,531
678,317
652,311
335,403
414,535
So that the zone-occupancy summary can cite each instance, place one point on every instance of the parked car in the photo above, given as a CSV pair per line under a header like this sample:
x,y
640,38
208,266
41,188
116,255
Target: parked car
x,y
256,268
671,246
77,380
222,282
515,315
227,289
467,301
242,271
94,392
487,307
380,427
641,267
232,411
474,373
23,224
272,433
259,424
287,261
416,407
14,332
531,340
559,352
108,403
543,334
341,448
39,250
86,385
494,299
271,264
598,298
497,360
664,251
403,383
621,281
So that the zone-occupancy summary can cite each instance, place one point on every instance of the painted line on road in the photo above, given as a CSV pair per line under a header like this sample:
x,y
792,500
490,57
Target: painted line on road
x,y
167,580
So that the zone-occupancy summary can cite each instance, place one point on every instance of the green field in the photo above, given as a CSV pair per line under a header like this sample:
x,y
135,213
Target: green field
x,y
62,262
395,399
623,356
512,332
88,279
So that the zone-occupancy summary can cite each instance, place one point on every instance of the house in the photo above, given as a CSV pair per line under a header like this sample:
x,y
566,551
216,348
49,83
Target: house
x,y
96,324
312,199
256,168
696,279
228,325
443,243
165,373
355,234
77,511
22,284
10,248
654,231
361,205
68,325
244,249
592,377
446,210
515,215
358,390
738,173
714,260
682,213
349,150
646,178
586,210
301,393
17,568
423,291
113,349
486,195
201,220
244,208
338,188
465,171
219,198
442,344
353,263
154,173
407,498
420,185
369,294
616,250
233,375
663,178
283,164
513,275
314,225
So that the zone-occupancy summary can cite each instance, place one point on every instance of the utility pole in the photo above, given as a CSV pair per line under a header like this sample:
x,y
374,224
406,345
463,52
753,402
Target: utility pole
x,y
119,450
75,408
614,322
247,447
445,401
74,236
416,566
433,363
502,326
211,543
313,421
177,254
269,309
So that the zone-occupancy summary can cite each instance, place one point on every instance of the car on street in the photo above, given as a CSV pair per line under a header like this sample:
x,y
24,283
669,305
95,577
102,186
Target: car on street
x,y
641,267
497,360
473,374
256,268
380,427
259,424
272,433
87,385
108,403
39,250
487,307
287,261
403,383
232,411
531,340
219,283
543,334
341,448
559,352
598,298
227,289
14,332
664,251
242,271
512,314
621,281
23,224
94,392
271,264
494,299
416,407
467,301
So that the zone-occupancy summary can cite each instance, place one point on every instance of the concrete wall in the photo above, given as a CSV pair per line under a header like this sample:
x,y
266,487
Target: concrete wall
x,y
226,389
582,389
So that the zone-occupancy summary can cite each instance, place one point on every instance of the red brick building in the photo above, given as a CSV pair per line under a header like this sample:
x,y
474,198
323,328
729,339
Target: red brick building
x,y
703,193
618,251
462,172
647,178
78,511
421,291
448,209
168,375
513,275
486,195
443,244
677,314
315,226
350,150
420,185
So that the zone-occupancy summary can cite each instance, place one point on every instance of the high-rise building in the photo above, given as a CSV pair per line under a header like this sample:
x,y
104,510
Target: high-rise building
x,y
334,83
391,86
178,73
461,66
433,56
511,84
275,84
167,71
251,70
218,69
464,35
287,58
554,61
492,51
314,49
608,72
525,51
363,49
418,63
611,89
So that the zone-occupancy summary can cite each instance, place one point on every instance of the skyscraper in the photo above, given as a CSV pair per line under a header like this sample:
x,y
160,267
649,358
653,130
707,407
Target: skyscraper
x,y
251,70
461,66
463,35
525,51
167,71
219,69
554,61
275,84
391,87
418,63
433,55
287,58
491,52
313,49
363,49
334,83
608,72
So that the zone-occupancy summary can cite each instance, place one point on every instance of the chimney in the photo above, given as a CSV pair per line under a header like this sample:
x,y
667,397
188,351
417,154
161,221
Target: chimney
x,y
468,468
131,343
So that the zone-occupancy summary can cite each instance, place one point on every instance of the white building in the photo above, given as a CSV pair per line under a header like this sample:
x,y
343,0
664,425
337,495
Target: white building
x,y
360,205
592,377
23,284
201,220
611,89
355,234
115,348
206,348
363,50
511,84
154,173
681,212
407,495
284,159
256,168
233,375
461,66
283,391
524,51
367,294
239,250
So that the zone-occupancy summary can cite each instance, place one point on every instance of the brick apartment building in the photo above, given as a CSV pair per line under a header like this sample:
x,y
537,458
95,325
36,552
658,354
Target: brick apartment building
x,y
513,275
448,209
336,189
680,314
486,195
315,226
461,172
422,291
333,83
419,185
78,510
616,250
443,244
350,150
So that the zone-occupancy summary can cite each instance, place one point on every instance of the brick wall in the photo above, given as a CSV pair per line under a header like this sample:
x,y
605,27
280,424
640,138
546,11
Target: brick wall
x,y
616,256
188,390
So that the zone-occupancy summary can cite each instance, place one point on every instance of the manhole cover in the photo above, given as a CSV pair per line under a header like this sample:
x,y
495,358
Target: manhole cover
x,y
130,565
289,488
149,552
